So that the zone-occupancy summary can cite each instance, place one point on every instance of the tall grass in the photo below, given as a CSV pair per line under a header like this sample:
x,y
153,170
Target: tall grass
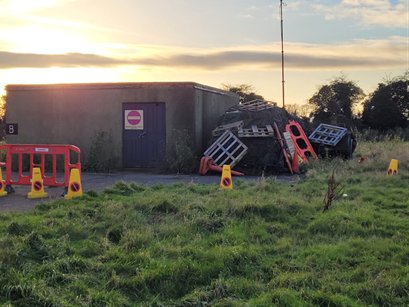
x,y
264,243
383,136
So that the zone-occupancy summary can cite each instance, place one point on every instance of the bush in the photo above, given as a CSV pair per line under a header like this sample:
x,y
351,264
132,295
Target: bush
x,y
180,157
101,155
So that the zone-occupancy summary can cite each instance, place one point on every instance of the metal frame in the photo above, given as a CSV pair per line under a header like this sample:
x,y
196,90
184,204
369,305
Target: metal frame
x,y
226,150
327,134
255,132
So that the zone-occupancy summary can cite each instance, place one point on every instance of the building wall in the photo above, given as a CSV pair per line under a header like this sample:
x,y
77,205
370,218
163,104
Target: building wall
x,y
215,103
74,113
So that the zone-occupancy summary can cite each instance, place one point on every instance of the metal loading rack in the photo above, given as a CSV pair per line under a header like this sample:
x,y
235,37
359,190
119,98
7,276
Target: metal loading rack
x,y
226,150
327,134
256,105
255,131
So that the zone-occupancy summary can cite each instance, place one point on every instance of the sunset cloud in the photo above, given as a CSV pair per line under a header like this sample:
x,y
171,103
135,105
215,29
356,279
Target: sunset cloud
x,y
32,60
299,56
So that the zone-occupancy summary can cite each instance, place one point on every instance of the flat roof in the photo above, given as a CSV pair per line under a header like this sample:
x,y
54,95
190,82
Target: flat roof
x,y
114,85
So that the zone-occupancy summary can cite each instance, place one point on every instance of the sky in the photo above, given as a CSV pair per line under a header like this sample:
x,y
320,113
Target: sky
x,y
213,42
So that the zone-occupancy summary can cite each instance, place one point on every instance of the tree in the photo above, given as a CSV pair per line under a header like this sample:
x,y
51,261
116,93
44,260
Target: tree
x,y
388,106
245,91
333,102
300,110
2,107
2,116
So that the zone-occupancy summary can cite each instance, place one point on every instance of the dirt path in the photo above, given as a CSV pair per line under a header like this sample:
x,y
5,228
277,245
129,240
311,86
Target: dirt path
x,y
98,182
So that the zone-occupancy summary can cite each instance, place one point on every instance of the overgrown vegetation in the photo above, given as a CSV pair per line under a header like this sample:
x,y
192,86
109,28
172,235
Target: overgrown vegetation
x,y
3,103
101,155
180,157
264,243
333,191
246,92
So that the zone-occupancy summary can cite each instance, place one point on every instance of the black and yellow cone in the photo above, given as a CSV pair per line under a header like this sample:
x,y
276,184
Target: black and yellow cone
x,y
37,185
226,182
74,186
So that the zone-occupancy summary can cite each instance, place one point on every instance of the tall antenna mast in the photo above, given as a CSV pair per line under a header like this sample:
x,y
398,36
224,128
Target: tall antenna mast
x,y
282,52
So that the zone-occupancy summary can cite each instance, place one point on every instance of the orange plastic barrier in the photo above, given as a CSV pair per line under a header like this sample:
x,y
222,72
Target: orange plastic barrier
x,y
281,143
206,164
15,157
301,143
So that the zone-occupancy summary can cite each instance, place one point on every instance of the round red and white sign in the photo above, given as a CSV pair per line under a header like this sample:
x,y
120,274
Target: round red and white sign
x,y
133,119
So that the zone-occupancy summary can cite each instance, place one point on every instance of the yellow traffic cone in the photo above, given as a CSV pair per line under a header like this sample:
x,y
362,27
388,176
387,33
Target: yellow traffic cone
x,y
74,186
226,182
37,186
2,185
393,168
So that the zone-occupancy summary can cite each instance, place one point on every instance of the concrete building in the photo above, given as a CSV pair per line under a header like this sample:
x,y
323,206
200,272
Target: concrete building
x,y
141,118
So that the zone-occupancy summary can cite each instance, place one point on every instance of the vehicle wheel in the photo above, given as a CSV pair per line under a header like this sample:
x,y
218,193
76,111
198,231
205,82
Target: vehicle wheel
x,y
349,148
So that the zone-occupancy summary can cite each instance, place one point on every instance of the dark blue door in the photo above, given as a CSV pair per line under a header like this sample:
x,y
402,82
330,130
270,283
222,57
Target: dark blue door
x,y
144,134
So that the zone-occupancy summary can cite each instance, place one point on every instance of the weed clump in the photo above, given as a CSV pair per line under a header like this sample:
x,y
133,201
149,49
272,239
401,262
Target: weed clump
x,y
34,248
17,229
71,265
333,191
211,225
137,187
165,207
91,193
114,235
122,188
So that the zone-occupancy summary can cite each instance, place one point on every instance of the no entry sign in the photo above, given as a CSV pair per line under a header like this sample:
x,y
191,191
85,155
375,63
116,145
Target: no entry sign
x,y
133,119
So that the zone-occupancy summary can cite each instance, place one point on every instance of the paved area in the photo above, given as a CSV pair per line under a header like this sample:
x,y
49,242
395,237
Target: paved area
x,y
98,182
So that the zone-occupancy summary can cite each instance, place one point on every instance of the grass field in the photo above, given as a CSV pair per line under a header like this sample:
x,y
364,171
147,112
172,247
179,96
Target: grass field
x,y
262,244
